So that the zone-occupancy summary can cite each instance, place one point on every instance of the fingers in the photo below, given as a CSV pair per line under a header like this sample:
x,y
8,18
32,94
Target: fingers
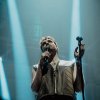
x,y
76,49
76,52
45,54
44,57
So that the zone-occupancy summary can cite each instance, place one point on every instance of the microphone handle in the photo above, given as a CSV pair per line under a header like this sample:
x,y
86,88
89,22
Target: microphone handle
x,y
46,60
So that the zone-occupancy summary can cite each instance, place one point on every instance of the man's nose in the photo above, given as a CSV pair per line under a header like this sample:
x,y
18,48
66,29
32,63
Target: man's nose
x,y
47,42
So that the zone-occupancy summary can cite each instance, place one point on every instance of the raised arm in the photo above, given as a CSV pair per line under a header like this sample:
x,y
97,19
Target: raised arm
x,y
37,76
79,82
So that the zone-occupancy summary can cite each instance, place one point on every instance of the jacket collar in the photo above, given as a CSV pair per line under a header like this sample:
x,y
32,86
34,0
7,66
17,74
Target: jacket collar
x,y
55,61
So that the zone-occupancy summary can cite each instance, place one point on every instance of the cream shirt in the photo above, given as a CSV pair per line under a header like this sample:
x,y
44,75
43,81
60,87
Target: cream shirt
x,y
61,62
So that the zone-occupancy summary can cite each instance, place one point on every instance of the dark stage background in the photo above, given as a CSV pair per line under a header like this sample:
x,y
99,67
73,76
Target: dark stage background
x,y
51,17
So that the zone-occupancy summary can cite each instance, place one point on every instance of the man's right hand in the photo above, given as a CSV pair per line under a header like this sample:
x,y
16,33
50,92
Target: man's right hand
x,y
44,58
44,62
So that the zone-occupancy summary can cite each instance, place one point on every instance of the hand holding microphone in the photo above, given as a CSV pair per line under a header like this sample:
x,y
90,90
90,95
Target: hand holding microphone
x,y
49,49
44,61
45,55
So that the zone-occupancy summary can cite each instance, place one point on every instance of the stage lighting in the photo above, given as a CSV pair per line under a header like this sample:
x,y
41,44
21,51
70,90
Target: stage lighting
x,y
3,82
75,31
22,72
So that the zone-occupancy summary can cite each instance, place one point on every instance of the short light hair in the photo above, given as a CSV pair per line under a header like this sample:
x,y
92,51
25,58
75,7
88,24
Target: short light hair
x,y
48,37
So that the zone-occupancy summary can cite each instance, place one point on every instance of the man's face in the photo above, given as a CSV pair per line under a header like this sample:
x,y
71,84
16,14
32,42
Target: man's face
x,y
48,46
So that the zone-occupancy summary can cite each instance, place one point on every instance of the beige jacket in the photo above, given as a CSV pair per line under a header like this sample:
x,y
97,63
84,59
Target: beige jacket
x,y
63,80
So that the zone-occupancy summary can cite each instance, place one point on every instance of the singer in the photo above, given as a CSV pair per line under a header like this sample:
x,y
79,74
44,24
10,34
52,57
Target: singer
x,y
56,79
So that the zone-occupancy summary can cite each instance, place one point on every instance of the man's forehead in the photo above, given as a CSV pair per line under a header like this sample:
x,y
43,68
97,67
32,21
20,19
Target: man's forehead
x,y
47,38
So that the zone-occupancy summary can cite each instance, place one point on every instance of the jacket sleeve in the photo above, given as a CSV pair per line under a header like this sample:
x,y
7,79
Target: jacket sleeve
x,y
36,81
79,81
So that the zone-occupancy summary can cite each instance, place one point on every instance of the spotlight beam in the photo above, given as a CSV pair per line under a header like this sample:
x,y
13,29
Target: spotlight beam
x,y
22,73
75,26
4,87
75,31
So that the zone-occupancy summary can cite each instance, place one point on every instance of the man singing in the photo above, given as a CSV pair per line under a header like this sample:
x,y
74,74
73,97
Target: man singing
x,y
56,79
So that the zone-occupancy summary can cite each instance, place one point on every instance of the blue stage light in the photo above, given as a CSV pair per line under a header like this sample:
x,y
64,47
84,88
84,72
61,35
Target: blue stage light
x,y
3,82
75,26
75,31
22,72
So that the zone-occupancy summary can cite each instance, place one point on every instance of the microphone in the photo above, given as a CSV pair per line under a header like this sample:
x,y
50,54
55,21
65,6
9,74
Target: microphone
x,y
46,48
46,60
79,39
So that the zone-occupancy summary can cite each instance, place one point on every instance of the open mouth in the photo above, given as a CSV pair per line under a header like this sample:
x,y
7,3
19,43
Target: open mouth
x,y
48,48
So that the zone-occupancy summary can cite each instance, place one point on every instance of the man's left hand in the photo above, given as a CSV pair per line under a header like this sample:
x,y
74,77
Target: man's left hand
x,y
76,52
